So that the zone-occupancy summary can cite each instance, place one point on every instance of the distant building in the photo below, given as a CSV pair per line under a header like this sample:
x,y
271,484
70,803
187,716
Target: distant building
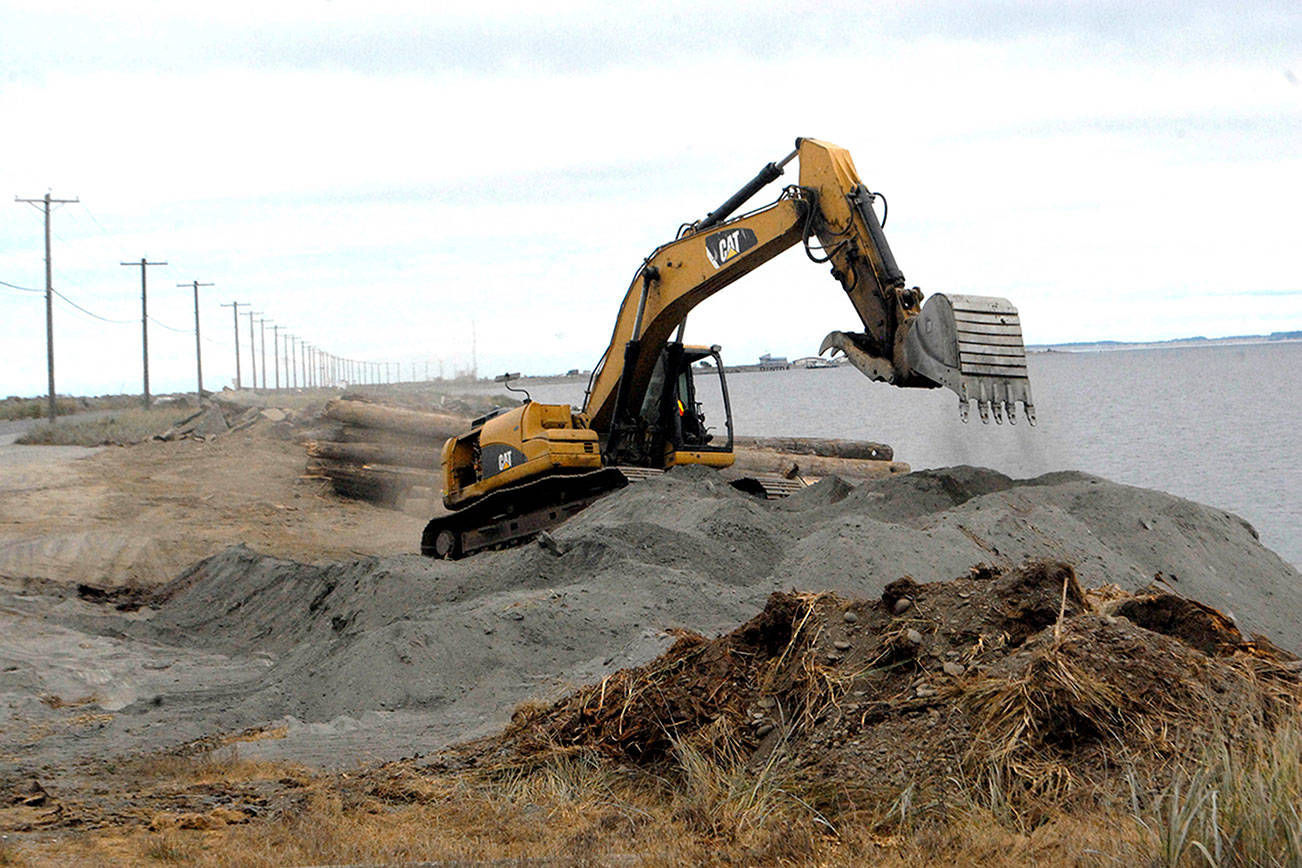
x,y
773,363
813,362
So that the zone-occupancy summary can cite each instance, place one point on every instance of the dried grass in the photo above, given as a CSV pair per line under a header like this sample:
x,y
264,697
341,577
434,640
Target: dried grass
x,y
123,427
1239,804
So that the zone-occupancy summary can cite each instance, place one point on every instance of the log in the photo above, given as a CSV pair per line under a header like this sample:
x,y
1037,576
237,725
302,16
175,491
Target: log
x,y
435,426
824,446
372,482
768,461
396,439
423,458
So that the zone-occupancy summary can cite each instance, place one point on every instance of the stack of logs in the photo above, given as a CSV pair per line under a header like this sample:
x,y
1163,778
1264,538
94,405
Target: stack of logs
x,y
814,457
391,455
383,454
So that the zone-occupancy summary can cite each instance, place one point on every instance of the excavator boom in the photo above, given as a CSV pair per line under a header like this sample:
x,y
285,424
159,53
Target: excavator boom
x,y
967,343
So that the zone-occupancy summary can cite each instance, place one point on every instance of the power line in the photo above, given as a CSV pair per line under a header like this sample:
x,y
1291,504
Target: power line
x,y
97,223
16,286
171,328
89,312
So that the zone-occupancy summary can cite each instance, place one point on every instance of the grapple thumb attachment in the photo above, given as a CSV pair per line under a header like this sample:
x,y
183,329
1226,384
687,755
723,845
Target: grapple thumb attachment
x,y
972,345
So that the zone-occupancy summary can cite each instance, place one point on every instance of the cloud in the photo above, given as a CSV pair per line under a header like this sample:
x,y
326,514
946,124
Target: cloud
x,y
379,177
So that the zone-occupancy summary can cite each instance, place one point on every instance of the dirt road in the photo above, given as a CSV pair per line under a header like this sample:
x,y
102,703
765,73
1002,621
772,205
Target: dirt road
x,y
139,515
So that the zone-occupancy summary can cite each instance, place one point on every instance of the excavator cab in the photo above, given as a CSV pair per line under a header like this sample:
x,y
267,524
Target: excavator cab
x,y
693,434
682,421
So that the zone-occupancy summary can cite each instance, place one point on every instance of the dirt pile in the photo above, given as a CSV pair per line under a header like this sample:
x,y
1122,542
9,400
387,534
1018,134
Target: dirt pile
x,y
1013,677
381,657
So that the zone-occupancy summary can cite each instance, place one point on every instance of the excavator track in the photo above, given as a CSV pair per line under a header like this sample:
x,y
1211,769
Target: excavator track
x,y
516,513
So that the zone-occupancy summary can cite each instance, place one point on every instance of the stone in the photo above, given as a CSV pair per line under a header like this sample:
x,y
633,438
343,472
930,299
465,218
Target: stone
x,y
210,423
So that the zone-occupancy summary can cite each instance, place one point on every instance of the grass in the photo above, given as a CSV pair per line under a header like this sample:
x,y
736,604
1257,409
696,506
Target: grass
x,y
122,428
573,808
14,407
1240,806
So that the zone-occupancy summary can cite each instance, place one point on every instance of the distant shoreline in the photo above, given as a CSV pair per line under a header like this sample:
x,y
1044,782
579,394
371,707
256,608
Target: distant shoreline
x,y
1104,346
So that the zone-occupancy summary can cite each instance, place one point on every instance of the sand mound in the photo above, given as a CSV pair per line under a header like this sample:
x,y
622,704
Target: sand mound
x,y
405,654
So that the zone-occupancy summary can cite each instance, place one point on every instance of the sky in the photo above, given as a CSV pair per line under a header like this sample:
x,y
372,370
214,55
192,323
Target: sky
x,y
442,186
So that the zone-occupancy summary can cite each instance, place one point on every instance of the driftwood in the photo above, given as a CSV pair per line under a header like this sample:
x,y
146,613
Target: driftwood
x,y
378,483
766,461
824,446
381,453
435,426
427,458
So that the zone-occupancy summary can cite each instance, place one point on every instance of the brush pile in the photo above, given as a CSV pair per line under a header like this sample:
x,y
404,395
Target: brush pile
x,y
1013,681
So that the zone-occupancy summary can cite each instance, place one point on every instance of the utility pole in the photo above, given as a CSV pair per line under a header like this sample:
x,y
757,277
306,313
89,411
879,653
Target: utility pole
x,y
47,201
198,351
275,351
262,327
253,356
144,264
235,312
293,360
474,353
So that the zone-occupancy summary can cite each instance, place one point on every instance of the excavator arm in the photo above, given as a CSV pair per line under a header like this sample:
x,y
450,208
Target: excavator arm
x,y
674,279
519,471
969,344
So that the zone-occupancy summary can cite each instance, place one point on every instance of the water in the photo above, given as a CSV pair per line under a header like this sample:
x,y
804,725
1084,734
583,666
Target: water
x,y
1221,425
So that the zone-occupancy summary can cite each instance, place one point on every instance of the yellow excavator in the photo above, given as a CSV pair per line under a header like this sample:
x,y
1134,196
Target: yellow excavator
x,y
521,470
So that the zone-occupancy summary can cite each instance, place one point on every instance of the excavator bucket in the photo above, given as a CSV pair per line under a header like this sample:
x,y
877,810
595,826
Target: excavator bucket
x,y
972,345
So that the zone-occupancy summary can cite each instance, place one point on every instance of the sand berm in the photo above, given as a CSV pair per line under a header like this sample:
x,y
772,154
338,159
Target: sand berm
x,y
378,658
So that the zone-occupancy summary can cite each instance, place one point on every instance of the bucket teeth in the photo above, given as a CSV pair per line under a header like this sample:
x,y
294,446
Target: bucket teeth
x,y
989,409
973,345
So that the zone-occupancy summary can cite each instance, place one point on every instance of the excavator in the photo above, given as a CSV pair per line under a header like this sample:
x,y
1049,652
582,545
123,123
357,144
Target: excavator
x,y
521,470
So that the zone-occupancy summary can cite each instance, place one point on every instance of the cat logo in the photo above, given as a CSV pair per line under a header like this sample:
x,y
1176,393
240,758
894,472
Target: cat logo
x,y
722,247
498,458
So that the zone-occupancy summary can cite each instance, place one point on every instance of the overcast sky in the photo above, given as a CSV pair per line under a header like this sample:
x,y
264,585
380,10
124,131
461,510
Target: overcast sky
x,y
377,177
